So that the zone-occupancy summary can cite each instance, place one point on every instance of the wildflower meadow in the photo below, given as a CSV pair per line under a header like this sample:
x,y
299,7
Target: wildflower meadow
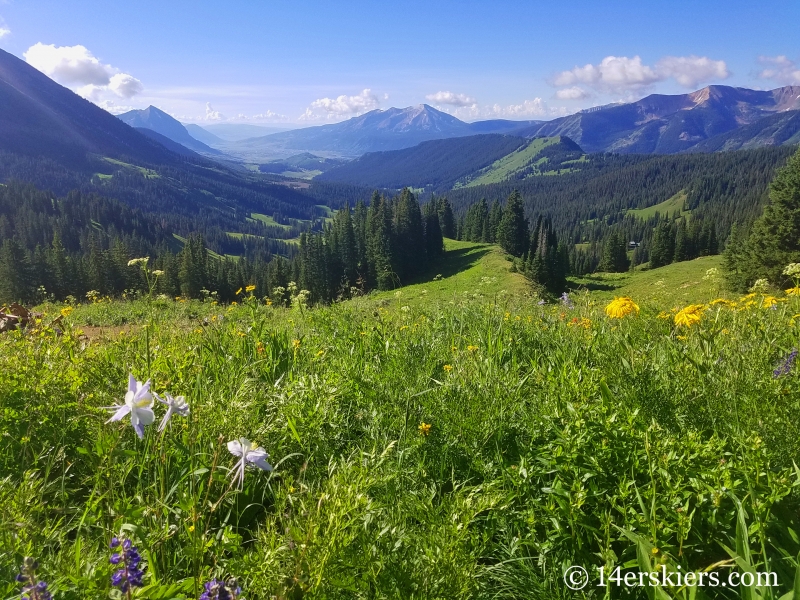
x,y
464,446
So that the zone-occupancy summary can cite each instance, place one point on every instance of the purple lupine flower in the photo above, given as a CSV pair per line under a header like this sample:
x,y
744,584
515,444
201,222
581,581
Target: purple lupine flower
x,y
566,301
129,575
217,589
32,589
785,367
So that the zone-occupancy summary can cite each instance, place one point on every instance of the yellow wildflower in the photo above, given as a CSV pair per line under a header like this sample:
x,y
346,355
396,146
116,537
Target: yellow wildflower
x,y
769,301
321,352
295,344
269,302
690,315
239,291
65,311
472,348
404,327
448,368
621,307
249,288
795,291
424,429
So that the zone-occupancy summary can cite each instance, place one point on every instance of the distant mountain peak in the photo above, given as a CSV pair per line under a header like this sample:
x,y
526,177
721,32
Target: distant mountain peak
x,y
157,120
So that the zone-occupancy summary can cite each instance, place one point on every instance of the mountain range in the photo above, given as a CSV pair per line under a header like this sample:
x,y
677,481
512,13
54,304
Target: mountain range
x,y
657,124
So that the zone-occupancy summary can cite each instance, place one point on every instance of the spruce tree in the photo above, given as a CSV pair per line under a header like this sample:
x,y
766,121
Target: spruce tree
x,y
615,254
774,240
16,281
512,233
447,221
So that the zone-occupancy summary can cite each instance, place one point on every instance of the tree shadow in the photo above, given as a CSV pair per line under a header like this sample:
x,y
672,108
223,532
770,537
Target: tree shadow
x,y
452,263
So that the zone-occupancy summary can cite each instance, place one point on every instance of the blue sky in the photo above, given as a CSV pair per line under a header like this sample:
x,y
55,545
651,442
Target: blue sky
x,y
312,62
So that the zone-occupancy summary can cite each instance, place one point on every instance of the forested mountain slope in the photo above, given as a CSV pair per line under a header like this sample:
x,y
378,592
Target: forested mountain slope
x,y
433,165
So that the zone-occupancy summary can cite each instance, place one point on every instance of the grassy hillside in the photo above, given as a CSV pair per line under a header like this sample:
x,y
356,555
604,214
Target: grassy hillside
x,y
460,443
666,208
432,166
468,270
527,161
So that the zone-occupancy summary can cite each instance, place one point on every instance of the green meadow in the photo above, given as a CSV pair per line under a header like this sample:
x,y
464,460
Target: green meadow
x,y
453,438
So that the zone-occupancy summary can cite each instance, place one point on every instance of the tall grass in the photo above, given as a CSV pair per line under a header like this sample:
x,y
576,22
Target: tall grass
x,y
558,437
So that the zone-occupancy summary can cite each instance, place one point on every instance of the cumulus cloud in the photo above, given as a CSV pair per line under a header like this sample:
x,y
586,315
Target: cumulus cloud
x,y
536,108
572,93
343,106
77,68
212,115
616,74
780,69
691,71
451,99
124,85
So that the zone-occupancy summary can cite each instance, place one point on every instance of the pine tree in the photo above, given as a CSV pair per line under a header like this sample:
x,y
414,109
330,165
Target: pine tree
x,y
434,242
774,239
379,244
495,216
447,221
615,254
512,233
16,281
409,236
681,243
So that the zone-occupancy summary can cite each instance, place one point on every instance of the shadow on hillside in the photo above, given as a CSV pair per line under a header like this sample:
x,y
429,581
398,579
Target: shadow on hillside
x,y
596,286
453,262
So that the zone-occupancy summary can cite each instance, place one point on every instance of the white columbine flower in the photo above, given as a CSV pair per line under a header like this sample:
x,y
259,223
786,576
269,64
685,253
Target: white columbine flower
x,y
175,406
244,449
139,403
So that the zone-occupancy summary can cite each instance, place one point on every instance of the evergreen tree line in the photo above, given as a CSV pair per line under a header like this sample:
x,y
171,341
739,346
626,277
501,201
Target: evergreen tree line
x,y
190,198
381,247
764,250
586,207
83,243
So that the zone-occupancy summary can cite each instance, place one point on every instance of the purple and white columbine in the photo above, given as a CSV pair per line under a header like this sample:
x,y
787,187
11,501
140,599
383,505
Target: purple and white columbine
x,y
175,406
243,448
139,403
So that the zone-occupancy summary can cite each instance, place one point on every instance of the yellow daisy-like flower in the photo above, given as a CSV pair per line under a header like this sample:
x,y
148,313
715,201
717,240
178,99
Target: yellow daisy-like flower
x,y
424,429
472,348
795,291
249,288
769,301
619,308
690,315
722,301
65,311
239,291
295,344
448,368
663,315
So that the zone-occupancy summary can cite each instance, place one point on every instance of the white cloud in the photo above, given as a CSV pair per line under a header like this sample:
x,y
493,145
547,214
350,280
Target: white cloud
x,y
780,69
617,74
346,105
529,108
4,30
267,116
211,114
451,99
691,71
572,93
77,68
70,65
124,85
